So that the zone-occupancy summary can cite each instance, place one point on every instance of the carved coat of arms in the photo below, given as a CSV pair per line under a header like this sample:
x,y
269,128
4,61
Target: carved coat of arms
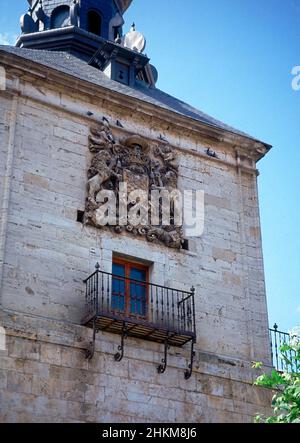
x,y
142,166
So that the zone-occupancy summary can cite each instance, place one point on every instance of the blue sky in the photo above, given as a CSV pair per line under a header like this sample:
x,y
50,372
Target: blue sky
x,y
233,59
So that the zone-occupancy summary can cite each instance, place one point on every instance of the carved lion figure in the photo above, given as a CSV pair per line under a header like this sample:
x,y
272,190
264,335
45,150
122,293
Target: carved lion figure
x,y
102,169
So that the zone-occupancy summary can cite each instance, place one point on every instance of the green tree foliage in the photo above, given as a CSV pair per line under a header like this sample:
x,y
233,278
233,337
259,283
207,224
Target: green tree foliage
x,y
286,386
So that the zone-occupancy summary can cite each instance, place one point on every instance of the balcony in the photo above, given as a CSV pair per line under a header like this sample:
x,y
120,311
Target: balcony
x,y
134,308
277,340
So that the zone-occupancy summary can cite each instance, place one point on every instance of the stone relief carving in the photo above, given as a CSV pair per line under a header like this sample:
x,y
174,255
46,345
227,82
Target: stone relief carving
x,y
141,165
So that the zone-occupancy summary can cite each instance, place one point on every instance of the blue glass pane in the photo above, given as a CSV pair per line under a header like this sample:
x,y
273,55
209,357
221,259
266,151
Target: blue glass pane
x,y
138,274
118,295
138,299
118,270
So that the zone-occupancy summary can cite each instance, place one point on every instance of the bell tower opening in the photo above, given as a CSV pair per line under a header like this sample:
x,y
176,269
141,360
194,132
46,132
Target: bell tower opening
x,y
91,30
60,17
94,22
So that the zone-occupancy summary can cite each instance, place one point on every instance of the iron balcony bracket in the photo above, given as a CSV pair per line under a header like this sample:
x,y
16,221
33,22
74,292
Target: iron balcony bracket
x,y
119,355
89,353
189,371
163,366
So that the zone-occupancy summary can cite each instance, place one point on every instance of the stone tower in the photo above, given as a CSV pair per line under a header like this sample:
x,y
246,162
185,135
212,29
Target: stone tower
x,y
123,321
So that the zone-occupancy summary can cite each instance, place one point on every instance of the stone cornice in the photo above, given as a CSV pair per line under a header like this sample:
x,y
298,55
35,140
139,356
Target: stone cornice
x,y
249,147
125,131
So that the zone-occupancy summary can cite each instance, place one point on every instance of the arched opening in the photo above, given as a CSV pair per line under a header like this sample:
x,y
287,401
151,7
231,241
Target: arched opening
x,y
94,22
60,17
117,31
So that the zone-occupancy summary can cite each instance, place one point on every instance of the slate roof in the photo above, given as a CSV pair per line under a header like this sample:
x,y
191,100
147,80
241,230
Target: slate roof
x,y
71,65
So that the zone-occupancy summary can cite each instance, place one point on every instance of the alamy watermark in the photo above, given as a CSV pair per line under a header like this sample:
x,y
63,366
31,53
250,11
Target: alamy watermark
x,y
2,79
296,79
161,208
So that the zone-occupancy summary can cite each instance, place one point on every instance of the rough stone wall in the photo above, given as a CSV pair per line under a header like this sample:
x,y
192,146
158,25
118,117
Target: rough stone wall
x,y
45,378
48,253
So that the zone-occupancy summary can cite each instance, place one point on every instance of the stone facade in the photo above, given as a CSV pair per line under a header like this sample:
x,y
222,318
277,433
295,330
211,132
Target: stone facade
x,y
45,255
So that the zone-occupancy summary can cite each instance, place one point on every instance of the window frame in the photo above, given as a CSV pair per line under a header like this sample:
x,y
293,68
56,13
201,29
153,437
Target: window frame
x,y
128,266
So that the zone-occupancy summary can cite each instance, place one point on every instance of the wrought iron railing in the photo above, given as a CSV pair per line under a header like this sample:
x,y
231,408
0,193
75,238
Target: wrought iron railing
x,y
277,340
162,310
134,308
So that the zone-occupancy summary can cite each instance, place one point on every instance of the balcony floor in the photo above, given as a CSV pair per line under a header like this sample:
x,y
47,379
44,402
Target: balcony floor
x,y
138,328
